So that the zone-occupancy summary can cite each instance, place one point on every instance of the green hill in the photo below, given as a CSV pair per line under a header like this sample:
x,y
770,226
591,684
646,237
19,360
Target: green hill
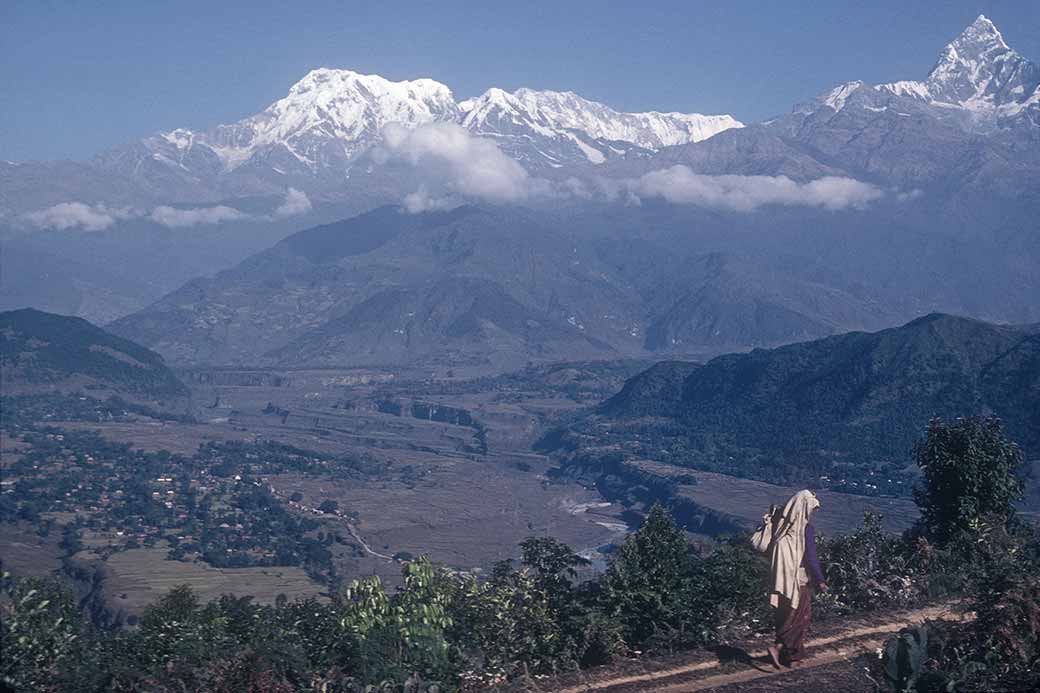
x,y
45,352
829,408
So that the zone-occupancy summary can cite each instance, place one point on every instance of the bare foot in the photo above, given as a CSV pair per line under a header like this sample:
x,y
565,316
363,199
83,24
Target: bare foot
x,y
774,655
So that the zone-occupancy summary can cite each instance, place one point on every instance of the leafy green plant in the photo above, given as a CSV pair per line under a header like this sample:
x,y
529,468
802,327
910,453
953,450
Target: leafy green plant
x,y
653,585
970,470
40,629
870,569
398,634
904,658
1007,628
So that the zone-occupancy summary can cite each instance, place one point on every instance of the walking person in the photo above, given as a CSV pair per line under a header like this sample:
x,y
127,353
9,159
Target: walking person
x,y
795,569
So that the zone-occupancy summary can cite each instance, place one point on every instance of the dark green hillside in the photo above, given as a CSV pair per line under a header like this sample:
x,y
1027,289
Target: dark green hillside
x,y
870,392
44,349
830,408
653,392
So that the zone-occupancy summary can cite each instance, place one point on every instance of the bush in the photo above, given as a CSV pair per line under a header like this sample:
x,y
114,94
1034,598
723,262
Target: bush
x,y
871,570
981,552
734,589
970,470
40,632
654,588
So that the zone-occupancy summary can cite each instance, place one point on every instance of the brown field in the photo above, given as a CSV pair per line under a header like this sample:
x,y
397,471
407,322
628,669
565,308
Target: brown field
x,y
439,496
463,509
144,575
466,514
839,512
23,552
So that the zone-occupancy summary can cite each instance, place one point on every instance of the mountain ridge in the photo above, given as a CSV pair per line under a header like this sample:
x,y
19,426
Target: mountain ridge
x,y
820,411
981,99
331,117
49,352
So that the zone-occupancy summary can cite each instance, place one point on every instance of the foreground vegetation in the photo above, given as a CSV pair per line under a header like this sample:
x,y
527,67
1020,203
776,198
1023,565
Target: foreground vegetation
x,y
455,631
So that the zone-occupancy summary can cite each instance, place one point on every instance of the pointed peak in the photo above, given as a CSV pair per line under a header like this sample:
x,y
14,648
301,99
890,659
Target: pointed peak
x,y
837,96
981,32
984,23
974,66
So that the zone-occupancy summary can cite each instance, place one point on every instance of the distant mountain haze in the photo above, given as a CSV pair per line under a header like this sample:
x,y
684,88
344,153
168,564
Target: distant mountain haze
x,y
318,137
504,285
575,230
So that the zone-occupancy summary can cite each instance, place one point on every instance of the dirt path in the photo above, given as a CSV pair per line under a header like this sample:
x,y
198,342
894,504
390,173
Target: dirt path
x,y
335,515
364,544
822,651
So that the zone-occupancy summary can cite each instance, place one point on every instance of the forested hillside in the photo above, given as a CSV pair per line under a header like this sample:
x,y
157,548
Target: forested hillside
x,y
44,351
835,411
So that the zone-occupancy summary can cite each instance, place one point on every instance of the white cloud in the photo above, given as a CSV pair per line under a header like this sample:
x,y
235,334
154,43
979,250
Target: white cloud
x,y
97,217
296,203
176,218
68,215
910,195
573,187
448,157
422,201
680,185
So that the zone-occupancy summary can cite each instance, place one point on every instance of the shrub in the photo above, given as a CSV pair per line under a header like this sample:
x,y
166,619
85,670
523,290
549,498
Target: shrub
x,y
870,570
40,631
733,597
653,586
904,658
396,635
970,470
999,573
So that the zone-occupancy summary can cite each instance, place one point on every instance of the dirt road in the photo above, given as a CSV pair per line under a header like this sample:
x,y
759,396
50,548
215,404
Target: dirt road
x,y
709,675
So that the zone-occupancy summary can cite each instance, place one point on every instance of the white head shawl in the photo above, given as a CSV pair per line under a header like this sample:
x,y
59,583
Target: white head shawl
x,y
789,547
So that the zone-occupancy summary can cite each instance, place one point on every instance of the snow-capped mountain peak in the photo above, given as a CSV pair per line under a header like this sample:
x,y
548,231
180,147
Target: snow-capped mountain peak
x,y
330,116
976,65
558,111
564,121
980,76
837,96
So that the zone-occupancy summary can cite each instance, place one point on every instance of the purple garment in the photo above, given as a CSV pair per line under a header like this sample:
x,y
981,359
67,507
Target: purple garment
x,y
809,560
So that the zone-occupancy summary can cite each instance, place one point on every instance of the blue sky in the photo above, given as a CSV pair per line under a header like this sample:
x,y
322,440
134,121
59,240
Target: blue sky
x,y
77,77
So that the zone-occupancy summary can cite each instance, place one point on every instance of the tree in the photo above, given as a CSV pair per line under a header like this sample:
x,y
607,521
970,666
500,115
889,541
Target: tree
x,y
554,563
971,472
40,626
328,506
652,583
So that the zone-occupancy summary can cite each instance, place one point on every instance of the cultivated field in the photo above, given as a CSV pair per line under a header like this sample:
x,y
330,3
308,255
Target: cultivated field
x,y
464,489
440,494
23,552
838,513
138,577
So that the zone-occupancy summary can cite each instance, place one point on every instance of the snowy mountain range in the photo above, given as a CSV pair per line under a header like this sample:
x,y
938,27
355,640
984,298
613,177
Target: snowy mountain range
x,y
319,139
978,80
865,206
331,118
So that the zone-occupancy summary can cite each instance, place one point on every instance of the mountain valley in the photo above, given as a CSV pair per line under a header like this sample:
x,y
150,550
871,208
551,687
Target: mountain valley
x,y
492,390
